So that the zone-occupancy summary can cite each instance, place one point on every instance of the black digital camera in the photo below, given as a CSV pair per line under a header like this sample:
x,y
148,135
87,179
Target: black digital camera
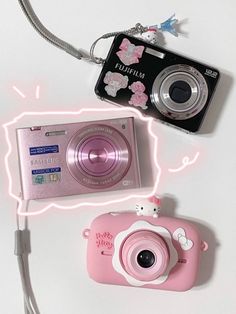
x,y
162,84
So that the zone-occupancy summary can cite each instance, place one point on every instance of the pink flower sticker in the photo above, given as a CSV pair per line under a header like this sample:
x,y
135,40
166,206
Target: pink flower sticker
x,y
129,53
139,98
137,87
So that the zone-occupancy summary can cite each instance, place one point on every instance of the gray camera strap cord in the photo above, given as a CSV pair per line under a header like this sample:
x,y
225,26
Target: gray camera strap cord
x,y
45,33
22,237
59,43
22,251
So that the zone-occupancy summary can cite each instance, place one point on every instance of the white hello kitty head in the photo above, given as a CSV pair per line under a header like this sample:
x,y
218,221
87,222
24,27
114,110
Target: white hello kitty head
x,y
150,36
148,207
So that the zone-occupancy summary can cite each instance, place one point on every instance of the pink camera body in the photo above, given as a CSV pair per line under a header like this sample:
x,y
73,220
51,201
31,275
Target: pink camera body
x,y
158,253
78,158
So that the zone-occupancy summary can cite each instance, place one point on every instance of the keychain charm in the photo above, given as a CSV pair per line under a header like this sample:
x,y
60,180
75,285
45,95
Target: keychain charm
x,y
147,33
149,207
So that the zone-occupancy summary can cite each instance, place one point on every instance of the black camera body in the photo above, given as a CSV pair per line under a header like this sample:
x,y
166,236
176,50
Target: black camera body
x,y
160,83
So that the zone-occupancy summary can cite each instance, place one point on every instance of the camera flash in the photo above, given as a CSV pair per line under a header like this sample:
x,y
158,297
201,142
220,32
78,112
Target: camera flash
x,y
155,53
55,133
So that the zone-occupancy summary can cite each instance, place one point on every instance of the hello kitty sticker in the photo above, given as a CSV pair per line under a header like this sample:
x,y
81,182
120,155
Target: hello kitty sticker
x,y
129,53
139,98
115,81
149,207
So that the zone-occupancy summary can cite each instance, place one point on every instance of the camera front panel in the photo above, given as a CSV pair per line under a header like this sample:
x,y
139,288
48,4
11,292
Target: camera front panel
x,y
107,251
78,158
161,84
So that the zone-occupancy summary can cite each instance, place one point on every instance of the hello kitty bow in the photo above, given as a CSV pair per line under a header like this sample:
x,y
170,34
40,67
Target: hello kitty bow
x,y
155,199
180,236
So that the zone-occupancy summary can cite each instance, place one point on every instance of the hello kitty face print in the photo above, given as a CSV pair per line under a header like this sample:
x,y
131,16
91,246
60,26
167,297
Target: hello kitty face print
x,y
115,81
148,207
129,53
139,98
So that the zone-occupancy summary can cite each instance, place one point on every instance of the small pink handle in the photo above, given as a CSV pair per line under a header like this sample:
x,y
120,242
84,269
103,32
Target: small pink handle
x,y
204,246
86,233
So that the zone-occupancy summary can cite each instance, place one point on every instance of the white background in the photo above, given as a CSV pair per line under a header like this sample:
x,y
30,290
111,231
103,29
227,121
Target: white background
x,y
204,193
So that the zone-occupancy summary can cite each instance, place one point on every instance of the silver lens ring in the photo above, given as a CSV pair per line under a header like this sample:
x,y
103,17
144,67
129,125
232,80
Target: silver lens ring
x,y
194,100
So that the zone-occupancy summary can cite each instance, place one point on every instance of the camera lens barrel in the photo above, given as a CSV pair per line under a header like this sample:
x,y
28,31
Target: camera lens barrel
x,y
98,156
145,255
179,92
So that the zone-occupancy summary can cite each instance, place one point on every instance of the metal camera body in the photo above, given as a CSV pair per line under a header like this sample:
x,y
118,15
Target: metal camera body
x,y
78,158
162,84
129,250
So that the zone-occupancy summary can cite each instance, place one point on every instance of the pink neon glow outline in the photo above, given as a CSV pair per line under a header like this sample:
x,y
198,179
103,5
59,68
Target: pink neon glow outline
x,y
149,121
19,92
37,91
185,162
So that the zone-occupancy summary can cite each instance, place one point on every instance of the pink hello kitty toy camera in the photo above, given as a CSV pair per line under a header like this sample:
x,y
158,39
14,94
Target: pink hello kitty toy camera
x,y
144,250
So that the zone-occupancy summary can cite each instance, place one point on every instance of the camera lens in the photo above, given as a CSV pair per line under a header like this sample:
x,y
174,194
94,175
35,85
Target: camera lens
x,y
145,255
180,91
98,156
146,259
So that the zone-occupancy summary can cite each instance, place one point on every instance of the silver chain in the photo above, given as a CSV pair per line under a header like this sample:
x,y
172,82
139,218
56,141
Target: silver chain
x,y
137,29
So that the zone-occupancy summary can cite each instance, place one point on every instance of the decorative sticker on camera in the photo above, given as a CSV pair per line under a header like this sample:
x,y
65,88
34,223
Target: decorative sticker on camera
x,y
129,53
180,236
48,175
139,98
115,81
44,150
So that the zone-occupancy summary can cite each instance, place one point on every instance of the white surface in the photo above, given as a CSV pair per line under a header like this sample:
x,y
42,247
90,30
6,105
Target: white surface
x,y
203,192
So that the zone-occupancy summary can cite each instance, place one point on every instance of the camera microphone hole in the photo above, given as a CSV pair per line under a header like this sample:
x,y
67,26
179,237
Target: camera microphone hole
x,y
182,261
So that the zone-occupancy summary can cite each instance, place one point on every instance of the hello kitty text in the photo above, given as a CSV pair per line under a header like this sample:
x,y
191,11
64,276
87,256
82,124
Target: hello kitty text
x,y
104,240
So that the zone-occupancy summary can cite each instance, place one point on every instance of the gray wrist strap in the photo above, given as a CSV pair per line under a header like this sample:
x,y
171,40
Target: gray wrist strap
x,y
45,33
54,40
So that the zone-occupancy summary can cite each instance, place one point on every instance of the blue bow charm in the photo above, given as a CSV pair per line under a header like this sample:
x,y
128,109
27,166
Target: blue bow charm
x,y
168,26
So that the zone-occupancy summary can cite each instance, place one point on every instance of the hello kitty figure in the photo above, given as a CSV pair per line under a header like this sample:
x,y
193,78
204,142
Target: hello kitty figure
x,y
150,36
148,207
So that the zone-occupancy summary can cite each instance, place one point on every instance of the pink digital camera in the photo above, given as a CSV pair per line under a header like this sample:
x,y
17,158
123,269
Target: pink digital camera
x,y
78,158
159,253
